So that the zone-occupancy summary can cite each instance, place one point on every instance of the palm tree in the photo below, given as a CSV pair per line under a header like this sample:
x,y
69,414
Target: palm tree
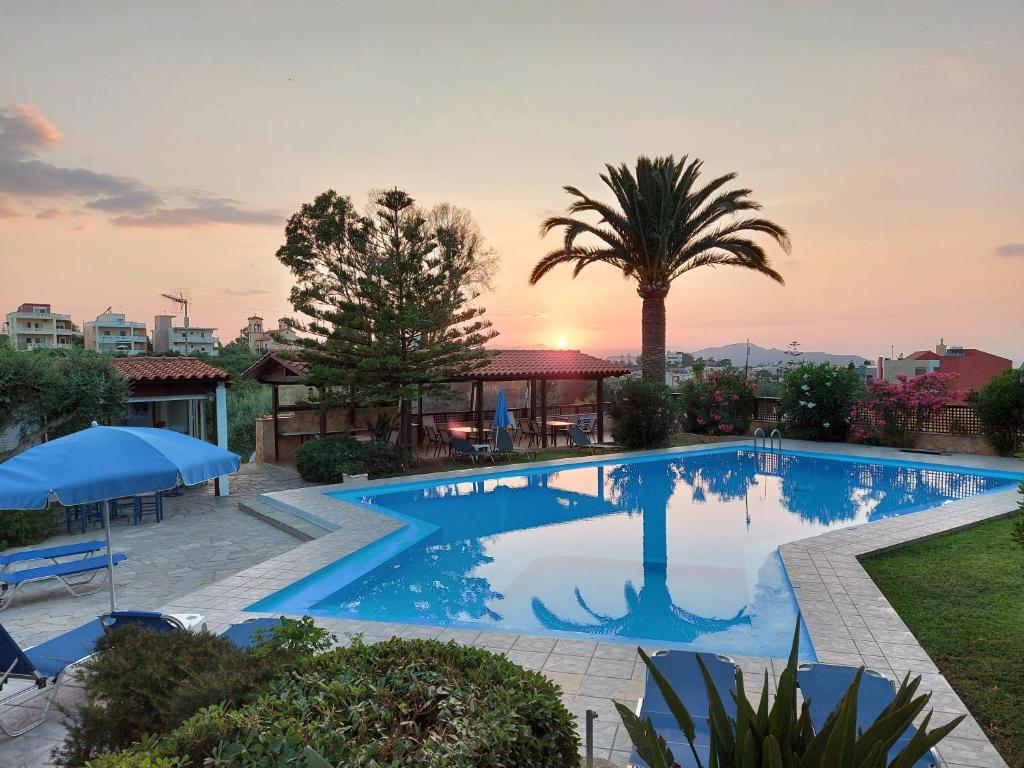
x,y
666,224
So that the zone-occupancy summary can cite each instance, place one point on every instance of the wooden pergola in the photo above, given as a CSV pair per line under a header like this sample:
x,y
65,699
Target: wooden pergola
x,y
536,366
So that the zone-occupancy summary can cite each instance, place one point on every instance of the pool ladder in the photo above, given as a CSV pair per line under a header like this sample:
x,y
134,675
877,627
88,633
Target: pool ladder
x,y
768,443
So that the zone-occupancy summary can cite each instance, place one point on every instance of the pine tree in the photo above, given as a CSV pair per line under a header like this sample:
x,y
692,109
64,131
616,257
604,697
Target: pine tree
x,y
390,298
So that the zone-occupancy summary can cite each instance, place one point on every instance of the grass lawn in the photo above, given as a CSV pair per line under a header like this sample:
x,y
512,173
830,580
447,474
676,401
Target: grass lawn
x,y
962,595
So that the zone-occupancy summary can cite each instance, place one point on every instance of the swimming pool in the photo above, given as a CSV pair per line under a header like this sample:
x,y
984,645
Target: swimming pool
x,y
672,549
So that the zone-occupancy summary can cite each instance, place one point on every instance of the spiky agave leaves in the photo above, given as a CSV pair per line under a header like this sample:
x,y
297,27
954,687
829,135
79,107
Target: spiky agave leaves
x,y
780,735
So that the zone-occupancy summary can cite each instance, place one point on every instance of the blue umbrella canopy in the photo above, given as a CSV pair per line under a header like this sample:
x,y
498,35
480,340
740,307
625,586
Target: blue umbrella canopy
x,y
100,463
501,417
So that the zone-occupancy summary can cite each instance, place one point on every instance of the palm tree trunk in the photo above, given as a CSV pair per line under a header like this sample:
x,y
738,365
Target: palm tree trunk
x,y
652,325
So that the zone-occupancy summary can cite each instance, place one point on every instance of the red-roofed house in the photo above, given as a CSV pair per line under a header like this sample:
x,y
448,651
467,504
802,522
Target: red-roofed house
x,y
974,368
175,392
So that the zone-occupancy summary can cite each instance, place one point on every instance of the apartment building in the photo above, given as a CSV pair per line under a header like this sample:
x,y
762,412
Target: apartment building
x,y
974,368
185,339
37,326
111,332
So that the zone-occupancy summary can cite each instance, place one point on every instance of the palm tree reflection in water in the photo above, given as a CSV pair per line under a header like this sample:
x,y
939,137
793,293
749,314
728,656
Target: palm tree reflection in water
x,y
646,489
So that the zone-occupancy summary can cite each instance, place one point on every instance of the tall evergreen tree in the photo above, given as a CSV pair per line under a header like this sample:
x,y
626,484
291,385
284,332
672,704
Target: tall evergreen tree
x,y
390,297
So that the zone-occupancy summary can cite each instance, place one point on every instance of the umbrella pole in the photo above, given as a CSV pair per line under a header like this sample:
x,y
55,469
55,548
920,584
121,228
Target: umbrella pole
x,y
110,554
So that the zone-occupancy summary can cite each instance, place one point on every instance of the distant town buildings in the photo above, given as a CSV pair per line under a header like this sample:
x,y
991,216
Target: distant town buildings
x,y
111,332
262,341
974,368
185,339
37,326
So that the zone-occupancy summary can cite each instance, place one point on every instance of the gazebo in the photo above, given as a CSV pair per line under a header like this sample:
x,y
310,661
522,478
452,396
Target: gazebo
x,y
536,366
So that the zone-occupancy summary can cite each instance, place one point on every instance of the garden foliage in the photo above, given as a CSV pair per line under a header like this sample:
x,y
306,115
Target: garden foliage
x,y
892,411
781,734
19,528
143,682
326,460
717,403
644,413
1000,407
817,400
410,703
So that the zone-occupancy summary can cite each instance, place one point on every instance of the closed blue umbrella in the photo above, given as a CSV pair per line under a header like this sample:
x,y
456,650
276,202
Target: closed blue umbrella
x,y
501,417
102,463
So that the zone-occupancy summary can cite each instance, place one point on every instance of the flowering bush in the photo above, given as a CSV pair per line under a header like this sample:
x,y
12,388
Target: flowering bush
x,y
1000,406
892,410
719,403
817,400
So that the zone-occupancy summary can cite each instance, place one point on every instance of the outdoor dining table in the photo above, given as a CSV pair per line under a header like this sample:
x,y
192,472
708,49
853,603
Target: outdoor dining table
x,y
560,425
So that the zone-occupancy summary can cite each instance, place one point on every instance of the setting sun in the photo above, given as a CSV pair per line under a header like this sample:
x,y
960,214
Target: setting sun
x,y
561,342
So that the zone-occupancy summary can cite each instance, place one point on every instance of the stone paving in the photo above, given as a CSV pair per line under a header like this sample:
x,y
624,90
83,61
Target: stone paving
x,y
849,621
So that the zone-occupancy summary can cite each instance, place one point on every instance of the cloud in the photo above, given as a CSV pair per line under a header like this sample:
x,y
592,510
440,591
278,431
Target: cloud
x,y
7,212
26,133
58,213
245,292
83,228
1010,249
204,213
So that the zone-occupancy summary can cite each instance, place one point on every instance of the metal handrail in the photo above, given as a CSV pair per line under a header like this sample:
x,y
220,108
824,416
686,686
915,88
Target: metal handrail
x,y
764,440
775,433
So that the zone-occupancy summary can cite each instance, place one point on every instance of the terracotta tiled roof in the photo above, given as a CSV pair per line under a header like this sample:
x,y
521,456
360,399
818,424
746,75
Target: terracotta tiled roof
x,y
510,364
167,368
504,365
269,359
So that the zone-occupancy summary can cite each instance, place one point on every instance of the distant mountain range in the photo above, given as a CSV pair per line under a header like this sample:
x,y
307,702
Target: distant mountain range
x,y
761,356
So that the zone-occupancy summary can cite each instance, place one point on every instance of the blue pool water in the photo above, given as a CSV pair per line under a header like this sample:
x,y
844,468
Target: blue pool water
x,y
677,550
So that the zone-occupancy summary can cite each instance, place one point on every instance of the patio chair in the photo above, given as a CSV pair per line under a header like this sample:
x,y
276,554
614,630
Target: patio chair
x,y
435,442
45,666
504,445
823,685
462,447
588,424
532,433
681,670
63,571
84,515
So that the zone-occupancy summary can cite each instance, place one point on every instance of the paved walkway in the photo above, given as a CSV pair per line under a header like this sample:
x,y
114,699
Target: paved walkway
x,y
203,539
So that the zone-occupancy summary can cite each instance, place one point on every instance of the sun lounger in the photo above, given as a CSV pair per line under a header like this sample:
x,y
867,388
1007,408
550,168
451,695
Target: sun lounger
x,y
45,666
580,439
12,581
824,685
462,447
504,446
84,548
248,633
681,670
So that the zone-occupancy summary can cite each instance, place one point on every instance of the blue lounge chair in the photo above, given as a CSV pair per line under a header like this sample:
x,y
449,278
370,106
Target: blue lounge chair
x,y
244,635
824,685
681,670
580,439
462,447
249,633
45,665
504,445
84,548
12,581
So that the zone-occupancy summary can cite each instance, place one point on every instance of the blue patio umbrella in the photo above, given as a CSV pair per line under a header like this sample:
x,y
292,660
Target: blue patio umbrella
x,y
99,464
501,417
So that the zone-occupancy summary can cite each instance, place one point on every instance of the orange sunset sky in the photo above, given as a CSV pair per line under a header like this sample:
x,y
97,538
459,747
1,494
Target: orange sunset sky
x,y
152,147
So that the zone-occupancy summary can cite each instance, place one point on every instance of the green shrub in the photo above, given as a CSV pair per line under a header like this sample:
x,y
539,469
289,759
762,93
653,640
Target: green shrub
x,y
1000,407
247,401
644,413
19,528
409,703
717,403
817,400
781,734
143,682
327,459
